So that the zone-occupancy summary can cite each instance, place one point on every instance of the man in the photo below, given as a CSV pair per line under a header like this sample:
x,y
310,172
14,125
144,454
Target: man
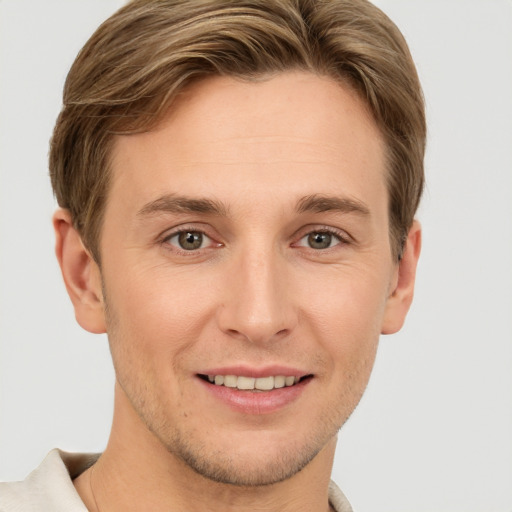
x,y
238,183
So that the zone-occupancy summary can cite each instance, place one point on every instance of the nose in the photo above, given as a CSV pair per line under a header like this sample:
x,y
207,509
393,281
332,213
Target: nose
x,y
257,301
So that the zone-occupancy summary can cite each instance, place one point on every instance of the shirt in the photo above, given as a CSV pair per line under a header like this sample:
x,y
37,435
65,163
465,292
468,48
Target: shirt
x,y
49,488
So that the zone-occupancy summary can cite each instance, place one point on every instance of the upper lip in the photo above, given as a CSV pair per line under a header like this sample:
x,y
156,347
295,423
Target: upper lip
x,y
252,371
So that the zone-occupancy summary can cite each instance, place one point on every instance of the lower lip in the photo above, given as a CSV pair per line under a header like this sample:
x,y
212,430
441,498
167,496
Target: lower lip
x,y
256,402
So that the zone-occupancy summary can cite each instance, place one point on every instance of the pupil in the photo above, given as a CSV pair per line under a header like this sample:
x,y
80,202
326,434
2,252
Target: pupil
x,y
190,240
319,240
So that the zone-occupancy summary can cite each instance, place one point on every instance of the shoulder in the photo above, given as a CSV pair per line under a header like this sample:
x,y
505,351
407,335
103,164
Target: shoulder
x,y
337,499
49,487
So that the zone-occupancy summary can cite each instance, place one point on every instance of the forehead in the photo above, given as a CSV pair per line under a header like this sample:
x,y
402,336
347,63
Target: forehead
x,y
293,133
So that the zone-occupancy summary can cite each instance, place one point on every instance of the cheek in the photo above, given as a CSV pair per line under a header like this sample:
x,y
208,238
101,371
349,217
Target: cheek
x,y
156,319
350,301
347,313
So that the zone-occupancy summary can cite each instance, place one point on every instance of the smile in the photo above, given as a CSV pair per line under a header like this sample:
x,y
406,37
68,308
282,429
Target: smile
x,y
255,392
244,383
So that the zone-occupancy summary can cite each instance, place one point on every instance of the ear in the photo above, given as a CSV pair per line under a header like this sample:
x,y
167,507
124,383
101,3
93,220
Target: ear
x,y
400,298
80,272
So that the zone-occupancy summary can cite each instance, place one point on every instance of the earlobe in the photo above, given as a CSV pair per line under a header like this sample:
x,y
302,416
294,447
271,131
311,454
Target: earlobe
x,y
400,299
80,273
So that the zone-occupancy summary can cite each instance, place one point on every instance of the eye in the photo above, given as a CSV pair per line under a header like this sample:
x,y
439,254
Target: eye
x,y
189,240
319,240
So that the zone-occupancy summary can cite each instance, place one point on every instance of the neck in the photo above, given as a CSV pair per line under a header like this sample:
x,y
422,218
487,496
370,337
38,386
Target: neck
x,y
136,472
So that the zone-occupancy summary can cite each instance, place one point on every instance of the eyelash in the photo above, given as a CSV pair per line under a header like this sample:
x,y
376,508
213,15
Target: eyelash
x,y
342,239
341,236
166,241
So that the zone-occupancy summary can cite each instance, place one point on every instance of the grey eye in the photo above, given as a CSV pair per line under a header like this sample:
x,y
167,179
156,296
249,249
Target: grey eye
x,y
320,240
188,240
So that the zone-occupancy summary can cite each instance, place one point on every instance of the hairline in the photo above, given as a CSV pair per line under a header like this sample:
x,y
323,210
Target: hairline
x,y
93,244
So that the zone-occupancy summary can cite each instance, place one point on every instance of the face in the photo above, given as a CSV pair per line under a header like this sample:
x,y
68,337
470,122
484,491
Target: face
x,y
247,272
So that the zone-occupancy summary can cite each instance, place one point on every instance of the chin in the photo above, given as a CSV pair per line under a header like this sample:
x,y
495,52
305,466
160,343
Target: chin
x,y
244,469
235,460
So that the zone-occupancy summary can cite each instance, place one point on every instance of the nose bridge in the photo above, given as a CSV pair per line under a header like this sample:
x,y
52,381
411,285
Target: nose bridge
x,y
257,305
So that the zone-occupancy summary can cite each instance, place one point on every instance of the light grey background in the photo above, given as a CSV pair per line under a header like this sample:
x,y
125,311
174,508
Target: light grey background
x,y
434,430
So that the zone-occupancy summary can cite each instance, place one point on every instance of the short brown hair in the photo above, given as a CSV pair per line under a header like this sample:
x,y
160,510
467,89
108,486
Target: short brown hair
x,y
137,62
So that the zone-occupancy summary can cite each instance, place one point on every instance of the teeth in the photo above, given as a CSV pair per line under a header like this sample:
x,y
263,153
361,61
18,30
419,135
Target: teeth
x,y
264,383
280,381
248,383
245,383
289,381
230,381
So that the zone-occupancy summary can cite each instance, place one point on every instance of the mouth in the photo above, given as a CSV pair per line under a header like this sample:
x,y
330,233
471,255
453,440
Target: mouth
x,y
254,384
256,392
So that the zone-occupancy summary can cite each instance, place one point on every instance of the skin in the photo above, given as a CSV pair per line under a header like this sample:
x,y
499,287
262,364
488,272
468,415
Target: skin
x,y
256,293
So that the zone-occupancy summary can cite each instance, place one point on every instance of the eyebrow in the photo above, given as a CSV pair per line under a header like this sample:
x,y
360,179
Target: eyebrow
x,y
318,203
171,203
